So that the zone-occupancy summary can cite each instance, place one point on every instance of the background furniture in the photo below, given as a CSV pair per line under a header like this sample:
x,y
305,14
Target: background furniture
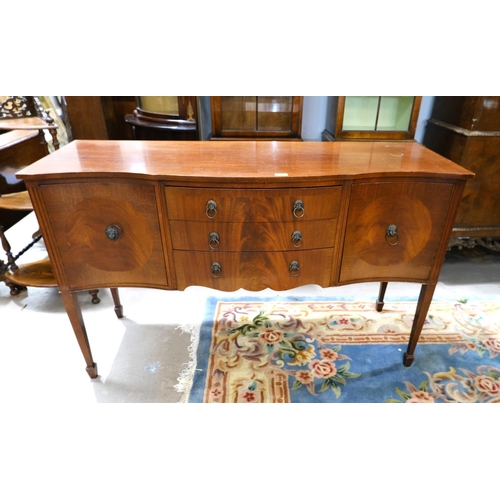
x,y
262,117
467,131
244,215
28,264
372,117
98,117
163,118
23,122
18,149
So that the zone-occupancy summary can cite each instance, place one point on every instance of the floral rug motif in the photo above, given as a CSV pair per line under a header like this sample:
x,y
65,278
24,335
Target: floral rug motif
x,y
302,351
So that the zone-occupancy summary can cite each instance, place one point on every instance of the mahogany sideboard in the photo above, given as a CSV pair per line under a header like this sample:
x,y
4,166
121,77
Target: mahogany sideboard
x,y
250,214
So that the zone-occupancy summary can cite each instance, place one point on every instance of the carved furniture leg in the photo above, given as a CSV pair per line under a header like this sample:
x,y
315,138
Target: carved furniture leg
x,y
72,306
116,300
6,246
424,301
381,294
55,142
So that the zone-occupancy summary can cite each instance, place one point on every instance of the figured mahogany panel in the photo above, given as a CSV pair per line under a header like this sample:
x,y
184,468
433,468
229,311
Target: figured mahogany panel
x,y
107,233
393,230
247,237
252,205
253,270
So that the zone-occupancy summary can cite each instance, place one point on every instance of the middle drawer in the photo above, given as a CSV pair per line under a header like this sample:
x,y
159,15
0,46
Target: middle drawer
x,y
252,236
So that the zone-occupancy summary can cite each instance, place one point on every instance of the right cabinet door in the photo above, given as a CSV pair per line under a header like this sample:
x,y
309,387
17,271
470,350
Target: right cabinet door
x,y
393,230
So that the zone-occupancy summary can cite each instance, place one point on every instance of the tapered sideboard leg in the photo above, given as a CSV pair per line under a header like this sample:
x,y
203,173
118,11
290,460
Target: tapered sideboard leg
x,y
381,295
116,300
424,301
72,306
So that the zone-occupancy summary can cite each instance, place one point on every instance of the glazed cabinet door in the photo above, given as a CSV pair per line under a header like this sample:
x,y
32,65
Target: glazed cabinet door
x,y
107,233
393,230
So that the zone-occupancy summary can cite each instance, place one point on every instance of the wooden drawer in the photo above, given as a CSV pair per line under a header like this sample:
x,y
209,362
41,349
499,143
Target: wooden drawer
x,y
253,270
247,237
252,205
80,215
418,211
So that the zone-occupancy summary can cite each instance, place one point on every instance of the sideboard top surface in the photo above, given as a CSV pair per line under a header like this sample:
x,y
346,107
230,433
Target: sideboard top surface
x,y
244,161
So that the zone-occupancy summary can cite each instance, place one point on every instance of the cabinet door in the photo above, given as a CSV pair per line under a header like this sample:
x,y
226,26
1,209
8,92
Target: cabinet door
x,y
393,230
256,117
107,233
376,117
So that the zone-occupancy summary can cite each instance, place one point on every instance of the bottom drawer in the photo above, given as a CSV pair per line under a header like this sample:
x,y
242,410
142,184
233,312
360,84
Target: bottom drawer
x,y
253,271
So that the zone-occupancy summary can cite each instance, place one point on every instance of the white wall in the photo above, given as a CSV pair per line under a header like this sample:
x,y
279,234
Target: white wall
x,y
423,116
313,117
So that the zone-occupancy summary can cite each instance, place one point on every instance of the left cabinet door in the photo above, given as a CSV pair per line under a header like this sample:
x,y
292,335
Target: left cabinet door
x,y
107,233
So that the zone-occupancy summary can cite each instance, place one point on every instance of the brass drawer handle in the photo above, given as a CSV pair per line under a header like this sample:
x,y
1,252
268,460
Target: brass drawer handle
x,y
298,209
216,269
113,232
213,240
391,232
294,268
297,239
211,209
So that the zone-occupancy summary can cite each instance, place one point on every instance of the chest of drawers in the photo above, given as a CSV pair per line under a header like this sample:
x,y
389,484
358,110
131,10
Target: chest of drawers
x,y
252,238
252,215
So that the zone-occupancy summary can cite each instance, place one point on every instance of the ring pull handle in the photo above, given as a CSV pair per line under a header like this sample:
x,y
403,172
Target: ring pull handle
x,y
211,209
113,232
216,269
298,209
391,235
213,240
297,239
294,268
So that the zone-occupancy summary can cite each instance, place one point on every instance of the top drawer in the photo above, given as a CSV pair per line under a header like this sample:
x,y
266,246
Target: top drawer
x,y
252,205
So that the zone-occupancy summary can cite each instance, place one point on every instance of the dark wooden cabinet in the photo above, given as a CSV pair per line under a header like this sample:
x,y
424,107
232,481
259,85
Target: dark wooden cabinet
x,y
372,118
163,118
98,117
256,117
466,129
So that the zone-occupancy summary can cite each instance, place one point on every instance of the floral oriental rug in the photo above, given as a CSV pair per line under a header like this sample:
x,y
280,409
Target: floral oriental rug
x,y
294,350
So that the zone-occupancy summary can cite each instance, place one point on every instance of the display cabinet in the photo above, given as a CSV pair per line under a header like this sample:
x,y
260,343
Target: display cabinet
x,y
256,117
372,117
164,118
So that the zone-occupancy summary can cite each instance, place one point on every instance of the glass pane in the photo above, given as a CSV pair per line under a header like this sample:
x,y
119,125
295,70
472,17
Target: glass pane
x,y
167,105
360,113
274,113
395,113
239,113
